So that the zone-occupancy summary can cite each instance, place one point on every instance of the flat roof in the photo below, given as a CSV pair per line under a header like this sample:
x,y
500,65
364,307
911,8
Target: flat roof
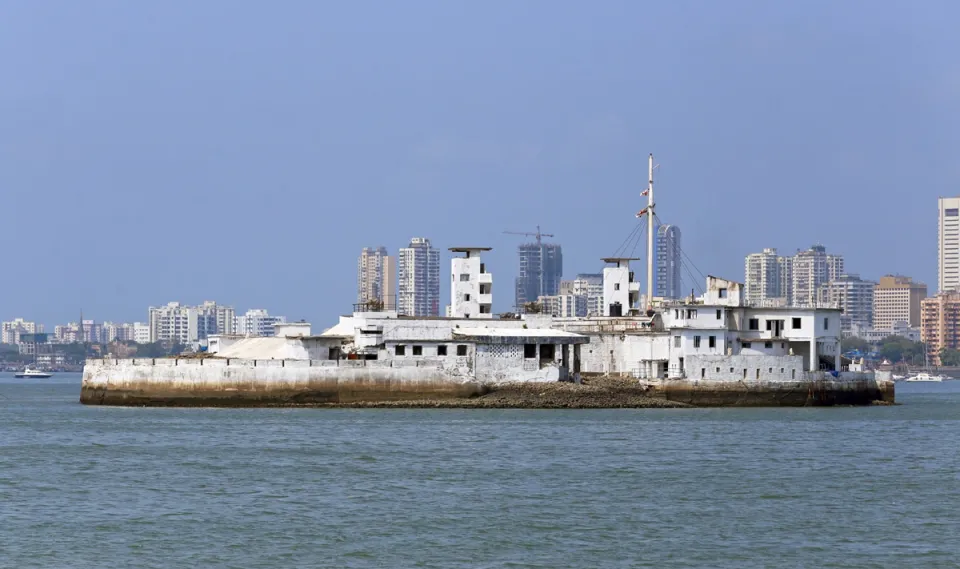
x,y
469,249
617,259
520,335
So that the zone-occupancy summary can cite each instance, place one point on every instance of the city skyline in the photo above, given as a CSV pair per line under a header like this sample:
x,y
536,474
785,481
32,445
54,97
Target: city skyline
x,y
456,143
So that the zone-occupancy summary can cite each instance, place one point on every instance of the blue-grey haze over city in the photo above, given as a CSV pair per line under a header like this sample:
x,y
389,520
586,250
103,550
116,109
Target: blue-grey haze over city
x,y
245,152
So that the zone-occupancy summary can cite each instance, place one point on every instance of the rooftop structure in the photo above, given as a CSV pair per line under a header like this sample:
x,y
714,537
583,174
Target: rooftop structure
x,y
471,286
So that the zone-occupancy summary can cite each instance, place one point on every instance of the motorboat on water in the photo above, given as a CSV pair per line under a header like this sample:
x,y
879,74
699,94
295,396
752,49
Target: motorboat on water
x,y
32,374
924,376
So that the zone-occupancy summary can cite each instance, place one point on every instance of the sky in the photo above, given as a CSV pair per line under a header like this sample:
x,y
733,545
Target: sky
x,y
245,152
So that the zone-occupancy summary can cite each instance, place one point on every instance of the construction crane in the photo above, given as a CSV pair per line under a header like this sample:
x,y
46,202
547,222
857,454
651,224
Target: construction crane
x,y
538,235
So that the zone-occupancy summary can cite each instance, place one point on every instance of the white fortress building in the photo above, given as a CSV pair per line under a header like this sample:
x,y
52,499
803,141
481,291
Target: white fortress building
x,y
471,286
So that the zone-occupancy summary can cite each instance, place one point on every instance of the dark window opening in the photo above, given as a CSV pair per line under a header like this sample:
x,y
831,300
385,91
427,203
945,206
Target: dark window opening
x,y
754,324
703,373
418,350
796,324
826,323
529,350
719,314
400,350
442,350
746,344
712,341
696,341
466,297
547,353
768,345
461,349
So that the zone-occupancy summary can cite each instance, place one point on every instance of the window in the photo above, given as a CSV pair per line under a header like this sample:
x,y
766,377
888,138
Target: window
x,y
719,314
676,313
754,324
461,349
771,370
442,350
793,374
676,341
731,370
951,212
796,324
718,370
529,350
758,373
703,372
781,370
466,298
712,342
616,286
400,350
826,323
483,268
746,344
691,313
418,350
723,293
768,345
464,277
696,341
744,373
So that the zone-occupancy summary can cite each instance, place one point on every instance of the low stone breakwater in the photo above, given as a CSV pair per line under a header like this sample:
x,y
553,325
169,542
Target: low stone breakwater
x,y
214,382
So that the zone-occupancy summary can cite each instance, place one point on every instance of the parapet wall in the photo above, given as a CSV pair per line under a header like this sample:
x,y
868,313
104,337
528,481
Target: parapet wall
x,y
264,383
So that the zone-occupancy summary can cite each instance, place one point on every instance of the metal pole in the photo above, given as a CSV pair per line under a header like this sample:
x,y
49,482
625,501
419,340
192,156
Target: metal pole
x,y
650,235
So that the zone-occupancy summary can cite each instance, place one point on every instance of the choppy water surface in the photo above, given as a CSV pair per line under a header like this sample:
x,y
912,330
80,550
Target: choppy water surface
x,y
113,487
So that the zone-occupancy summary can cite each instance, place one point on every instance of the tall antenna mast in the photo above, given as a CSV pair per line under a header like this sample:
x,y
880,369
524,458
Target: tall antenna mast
x,y
650,236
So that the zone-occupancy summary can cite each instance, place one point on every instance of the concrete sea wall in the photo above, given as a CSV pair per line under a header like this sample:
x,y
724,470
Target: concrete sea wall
x,y
216,382
221,382
763,393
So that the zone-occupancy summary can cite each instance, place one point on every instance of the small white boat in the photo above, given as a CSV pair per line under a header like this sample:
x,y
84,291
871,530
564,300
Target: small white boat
x,y
32,374
924,376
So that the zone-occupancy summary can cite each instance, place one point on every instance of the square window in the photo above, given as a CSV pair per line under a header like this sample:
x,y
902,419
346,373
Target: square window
x,y
768,345
464,277
400,350
418,350
796,324
529,350
461,349
442,350
754,324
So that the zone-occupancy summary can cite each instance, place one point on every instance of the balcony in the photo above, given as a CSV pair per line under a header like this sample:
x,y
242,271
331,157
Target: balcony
x,y
484,299
485,278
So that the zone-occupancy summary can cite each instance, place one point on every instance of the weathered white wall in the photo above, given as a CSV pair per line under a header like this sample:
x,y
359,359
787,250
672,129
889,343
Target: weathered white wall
x,y
741,367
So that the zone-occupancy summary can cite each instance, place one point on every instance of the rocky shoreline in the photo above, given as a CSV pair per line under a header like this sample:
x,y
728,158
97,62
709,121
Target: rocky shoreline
x,y
593,393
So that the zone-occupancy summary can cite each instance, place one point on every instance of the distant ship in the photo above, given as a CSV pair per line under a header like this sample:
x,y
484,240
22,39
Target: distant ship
x,y
32,374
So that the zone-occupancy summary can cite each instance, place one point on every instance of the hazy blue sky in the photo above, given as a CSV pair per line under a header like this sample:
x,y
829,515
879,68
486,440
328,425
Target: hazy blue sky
x,y
246,151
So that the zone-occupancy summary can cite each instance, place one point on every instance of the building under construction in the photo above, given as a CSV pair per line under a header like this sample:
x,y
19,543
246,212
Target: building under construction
x,y
541,269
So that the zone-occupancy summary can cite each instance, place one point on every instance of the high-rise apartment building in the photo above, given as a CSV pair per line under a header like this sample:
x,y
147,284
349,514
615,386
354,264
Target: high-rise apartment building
x,y
948,249
897,299
189,324
854,296
763,277
667,283
541,268
10,331
811,269
377,278
256,322
589,286
940,324
564,305
419,282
